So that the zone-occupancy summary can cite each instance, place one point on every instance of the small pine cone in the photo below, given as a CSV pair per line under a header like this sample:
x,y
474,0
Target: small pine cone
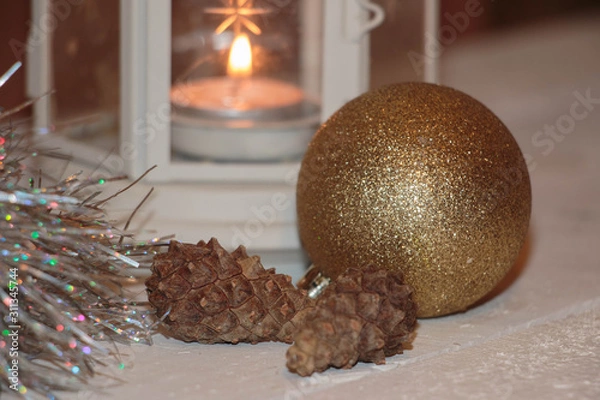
x,y
212,296
365,315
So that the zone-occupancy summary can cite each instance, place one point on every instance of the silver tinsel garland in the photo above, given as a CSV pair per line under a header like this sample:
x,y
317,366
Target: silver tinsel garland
x,y
63,269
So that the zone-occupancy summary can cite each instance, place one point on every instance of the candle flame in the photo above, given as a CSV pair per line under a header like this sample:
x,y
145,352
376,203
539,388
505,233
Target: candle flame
x,y
240,57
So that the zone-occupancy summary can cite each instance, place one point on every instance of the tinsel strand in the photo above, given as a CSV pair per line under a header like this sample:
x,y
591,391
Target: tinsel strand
x,y
63,273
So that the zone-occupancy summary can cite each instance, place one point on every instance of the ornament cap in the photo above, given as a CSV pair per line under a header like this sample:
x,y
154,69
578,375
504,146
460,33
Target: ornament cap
x,y
314,282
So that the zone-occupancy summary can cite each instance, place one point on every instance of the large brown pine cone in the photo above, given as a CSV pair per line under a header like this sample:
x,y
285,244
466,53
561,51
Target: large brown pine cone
x,y
213,296
365,315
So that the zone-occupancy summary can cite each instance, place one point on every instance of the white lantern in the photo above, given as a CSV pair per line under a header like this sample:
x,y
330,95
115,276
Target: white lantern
x,y
224,95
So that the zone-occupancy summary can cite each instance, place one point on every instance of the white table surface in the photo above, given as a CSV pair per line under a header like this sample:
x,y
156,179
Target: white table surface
x,y
538,338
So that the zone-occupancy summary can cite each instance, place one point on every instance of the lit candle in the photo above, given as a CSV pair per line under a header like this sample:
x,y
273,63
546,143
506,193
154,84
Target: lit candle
x,y
240,57
238,95
240,116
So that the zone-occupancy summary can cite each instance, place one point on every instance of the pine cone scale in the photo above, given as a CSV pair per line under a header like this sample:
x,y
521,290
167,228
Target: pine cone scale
x,y
239,289
174,286
368,305
164,266
200,275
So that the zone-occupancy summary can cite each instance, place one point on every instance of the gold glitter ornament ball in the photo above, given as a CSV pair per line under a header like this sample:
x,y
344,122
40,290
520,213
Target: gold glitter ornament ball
x,y
419,177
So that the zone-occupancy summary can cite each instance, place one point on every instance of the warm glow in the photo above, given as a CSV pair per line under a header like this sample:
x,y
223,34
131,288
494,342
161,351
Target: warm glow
x,y
240,57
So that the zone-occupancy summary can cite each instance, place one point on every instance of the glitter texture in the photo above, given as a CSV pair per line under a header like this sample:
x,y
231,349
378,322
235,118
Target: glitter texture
x,y
419,177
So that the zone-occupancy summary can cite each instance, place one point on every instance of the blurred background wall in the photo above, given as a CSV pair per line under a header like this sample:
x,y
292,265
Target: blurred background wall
x,y
97,84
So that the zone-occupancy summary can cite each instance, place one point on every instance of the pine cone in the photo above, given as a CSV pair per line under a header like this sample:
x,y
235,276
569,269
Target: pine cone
x,y
365,315
212,296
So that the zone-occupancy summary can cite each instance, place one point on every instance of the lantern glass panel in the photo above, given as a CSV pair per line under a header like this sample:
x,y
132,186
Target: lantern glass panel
x,y
85,74
245,79
397,46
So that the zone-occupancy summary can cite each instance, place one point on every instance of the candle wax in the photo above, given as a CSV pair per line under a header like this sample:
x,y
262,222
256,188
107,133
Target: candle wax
x,y
226,97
